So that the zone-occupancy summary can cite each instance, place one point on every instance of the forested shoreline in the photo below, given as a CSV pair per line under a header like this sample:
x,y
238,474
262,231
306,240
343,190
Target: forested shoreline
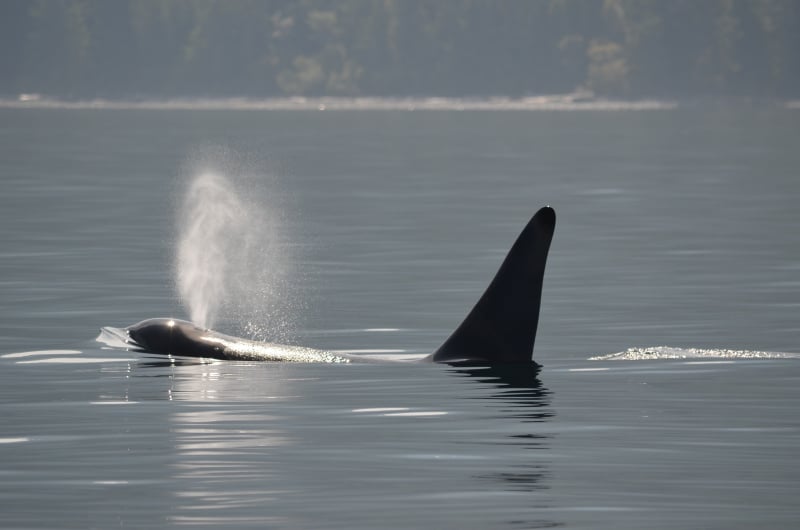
x,y
74,49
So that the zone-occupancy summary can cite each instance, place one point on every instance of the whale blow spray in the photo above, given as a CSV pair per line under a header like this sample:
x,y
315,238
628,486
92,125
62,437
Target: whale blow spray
x,y
210,214
228,263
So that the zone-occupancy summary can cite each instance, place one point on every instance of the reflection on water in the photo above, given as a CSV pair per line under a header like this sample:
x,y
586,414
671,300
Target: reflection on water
x,y
217,449
517,385
262,444
519,393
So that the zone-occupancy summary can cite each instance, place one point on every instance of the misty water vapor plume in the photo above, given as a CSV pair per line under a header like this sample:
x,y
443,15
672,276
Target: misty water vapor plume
x,y
229,264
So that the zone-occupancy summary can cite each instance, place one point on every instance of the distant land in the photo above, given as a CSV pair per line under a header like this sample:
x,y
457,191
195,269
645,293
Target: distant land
x,y
131,51
580,101
554,102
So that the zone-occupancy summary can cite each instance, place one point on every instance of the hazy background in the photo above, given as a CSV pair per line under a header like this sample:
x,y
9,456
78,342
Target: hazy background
x,y
151,49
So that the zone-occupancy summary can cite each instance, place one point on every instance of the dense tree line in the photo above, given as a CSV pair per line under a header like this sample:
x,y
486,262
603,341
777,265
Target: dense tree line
x,y
260,48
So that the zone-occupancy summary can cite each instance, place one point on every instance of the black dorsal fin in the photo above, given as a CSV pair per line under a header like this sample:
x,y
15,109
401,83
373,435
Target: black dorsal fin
x,y
501,328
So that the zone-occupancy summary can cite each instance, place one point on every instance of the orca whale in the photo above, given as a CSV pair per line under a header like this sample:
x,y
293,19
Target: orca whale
x,y
170,336
500,329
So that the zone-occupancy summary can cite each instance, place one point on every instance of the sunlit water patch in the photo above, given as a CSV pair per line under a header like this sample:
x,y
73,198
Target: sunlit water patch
x,y
38,353
64,357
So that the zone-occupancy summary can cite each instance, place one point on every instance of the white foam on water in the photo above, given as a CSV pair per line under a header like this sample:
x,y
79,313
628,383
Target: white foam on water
x,y
668,352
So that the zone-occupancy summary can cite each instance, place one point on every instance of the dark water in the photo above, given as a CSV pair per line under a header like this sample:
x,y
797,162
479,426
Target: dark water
x,y
675,227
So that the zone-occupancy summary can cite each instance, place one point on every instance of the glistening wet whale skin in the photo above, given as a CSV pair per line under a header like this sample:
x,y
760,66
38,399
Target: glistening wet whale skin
x,y
501,328
171,336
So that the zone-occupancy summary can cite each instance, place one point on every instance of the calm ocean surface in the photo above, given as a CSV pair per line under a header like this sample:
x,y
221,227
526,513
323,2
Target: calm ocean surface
x,y
675,227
